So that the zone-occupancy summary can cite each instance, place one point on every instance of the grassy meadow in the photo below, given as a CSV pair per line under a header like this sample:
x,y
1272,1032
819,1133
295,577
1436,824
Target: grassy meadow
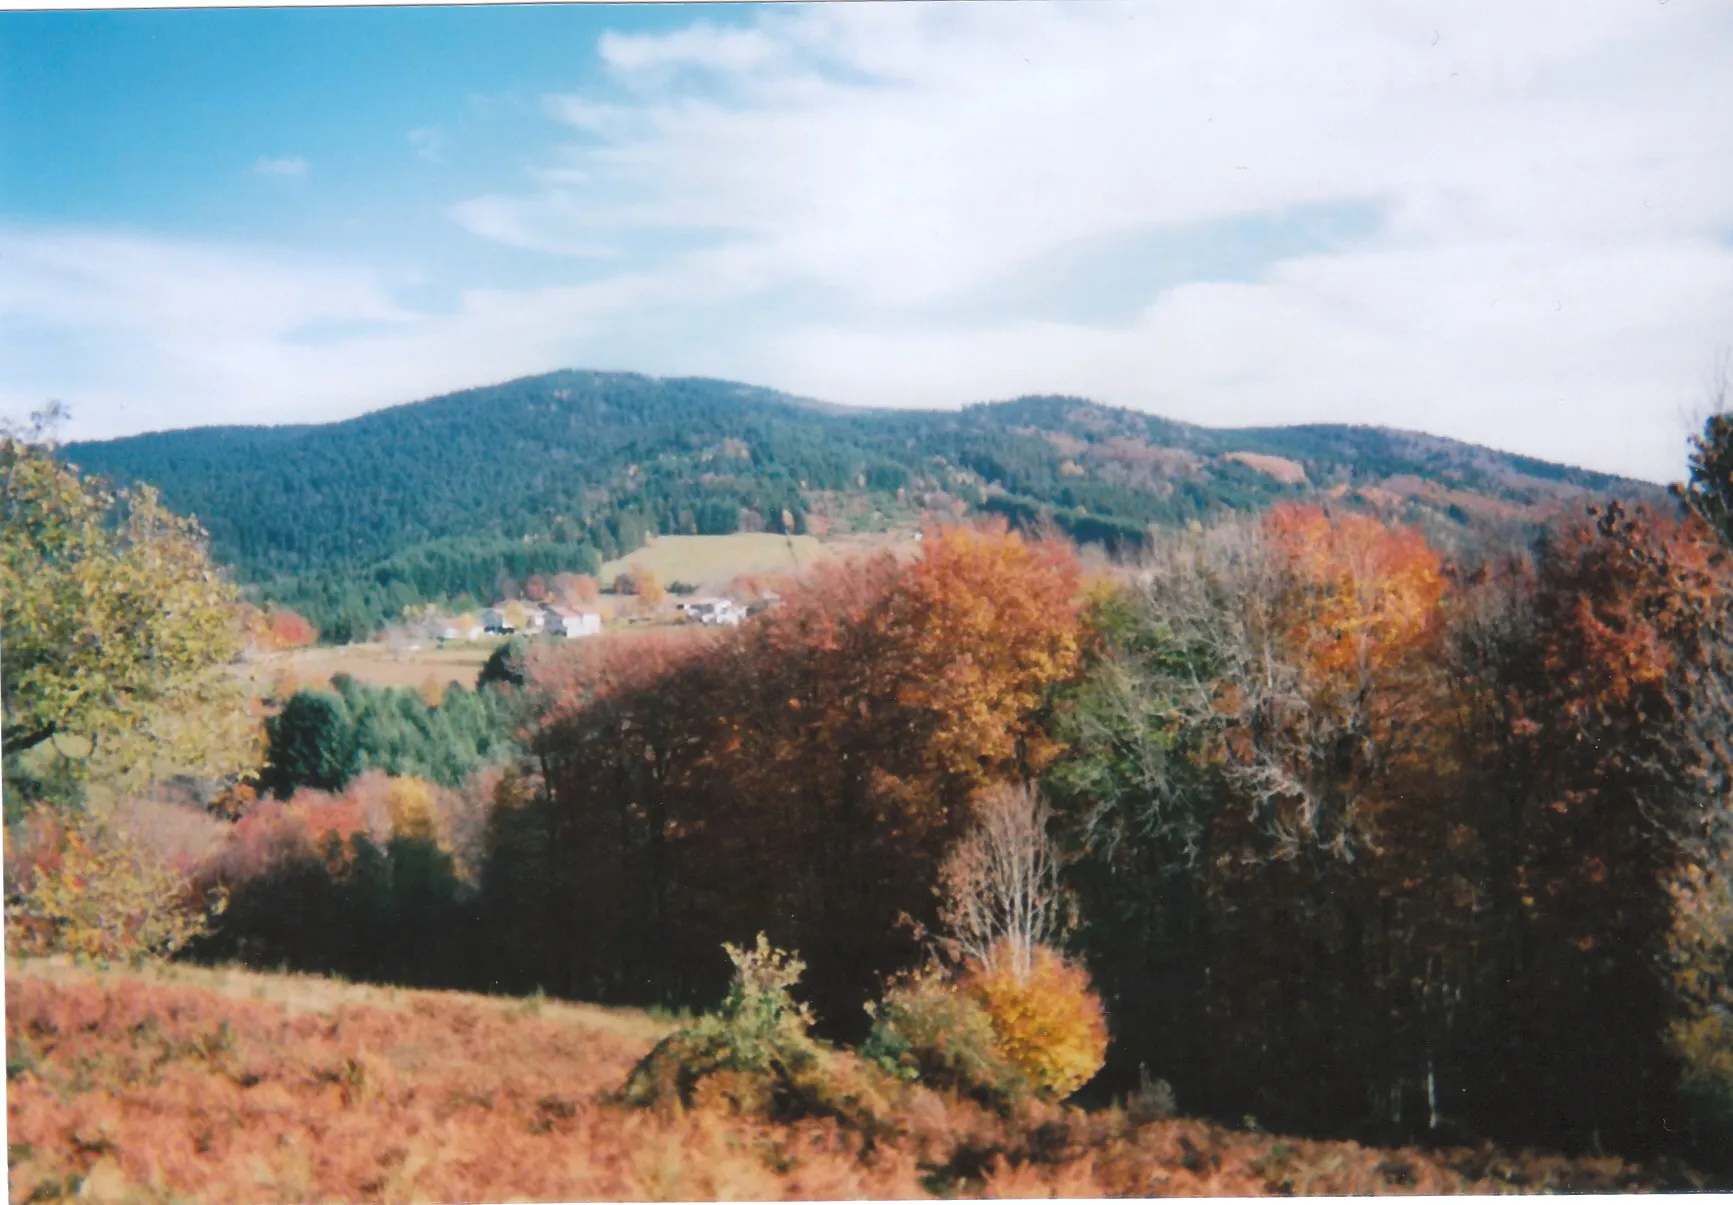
x,y
713,561
375,664
187,1084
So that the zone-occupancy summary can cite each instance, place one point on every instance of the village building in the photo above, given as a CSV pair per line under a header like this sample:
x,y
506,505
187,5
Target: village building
x,y
723,612
564,621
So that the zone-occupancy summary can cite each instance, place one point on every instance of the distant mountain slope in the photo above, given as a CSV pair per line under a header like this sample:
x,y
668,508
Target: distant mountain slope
x,y
438,498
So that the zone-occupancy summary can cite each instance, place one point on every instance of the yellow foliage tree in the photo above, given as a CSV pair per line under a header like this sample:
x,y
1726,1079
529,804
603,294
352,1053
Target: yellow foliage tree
x,y
413,817
118,630
1048,1022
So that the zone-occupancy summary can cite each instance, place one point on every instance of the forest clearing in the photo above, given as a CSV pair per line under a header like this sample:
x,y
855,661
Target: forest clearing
x,y
376,663
218,1085
713,560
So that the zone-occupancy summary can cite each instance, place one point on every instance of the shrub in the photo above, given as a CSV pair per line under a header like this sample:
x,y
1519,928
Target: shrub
x,y
1048,1023
83,890
928,1031
755,1056
505,665
1701,951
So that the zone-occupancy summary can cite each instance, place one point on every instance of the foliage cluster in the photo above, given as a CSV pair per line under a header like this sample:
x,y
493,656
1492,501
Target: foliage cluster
x,y
1046,1021
374,883
117,629
803,773
925,1030
755,1055
117,635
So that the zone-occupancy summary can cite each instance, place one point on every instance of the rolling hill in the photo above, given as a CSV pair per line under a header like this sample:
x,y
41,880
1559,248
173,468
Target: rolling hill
x,y
188,1084
439,499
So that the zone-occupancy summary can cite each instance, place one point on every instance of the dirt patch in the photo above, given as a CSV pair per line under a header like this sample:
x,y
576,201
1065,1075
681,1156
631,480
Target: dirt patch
x,y
1278,468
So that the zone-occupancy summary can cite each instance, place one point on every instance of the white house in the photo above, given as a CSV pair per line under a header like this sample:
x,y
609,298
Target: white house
x,y
572,624
721,611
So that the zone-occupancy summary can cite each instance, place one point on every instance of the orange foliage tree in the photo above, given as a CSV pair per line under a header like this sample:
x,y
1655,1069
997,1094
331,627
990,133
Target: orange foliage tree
x,y
289,630
802,774
1621,772
1260,750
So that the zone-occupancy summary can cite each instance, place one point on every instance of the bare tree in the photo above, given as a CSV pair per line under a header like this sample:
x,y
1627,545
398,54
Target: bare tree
x,y
1002,895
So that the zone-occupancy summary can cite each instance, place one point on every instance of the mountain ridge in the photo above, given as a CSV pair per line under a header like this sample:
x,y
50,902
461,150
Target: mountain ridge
x,y
561,471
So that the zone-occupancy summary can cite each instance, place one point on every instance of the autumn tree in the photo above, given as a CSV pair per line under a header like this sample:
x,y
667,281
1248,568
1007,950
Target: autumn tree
x,y
1257,749
803,774
643,585
576,589
1624,795
117,629
77,886
289,630
1370,838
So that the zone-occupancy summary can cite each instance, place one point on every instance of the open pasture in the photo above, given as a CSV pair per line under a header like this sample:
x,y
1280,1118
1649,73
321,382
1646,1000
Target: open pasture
x,y
376,664
713,561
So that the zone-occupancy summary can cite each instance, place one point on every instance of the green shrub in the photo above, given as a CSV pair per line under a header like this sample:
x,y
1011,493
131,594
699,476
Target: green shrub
x,y
926,1031
755,1056
1701,955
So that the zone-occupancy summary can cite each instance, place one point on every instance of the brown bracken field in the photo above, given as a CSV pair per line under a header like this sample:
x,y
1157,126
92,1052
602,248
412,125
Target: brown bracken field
x,y
184,1084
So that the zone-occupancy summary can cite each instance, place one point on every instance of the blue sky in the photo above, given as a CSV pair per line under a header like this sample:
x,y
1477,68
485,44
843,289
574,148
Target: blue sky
x,y
1510,224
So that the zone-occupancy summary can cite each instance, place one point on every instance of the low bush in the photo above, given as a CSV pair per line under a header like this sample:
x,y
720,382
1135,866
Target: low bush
x,y
79,887
925,1030
754,1056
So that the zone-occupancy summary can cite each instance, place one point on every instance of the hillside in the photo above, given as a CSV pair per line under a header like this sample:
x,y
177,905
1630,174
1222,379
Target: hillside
x,y
353,520
196,1085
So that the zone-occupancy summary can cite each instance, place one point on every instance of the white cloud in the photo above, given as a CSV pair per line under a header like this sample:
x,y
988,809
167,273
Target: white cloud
x,y
138,334
1551,272
698,46
828,198
291,167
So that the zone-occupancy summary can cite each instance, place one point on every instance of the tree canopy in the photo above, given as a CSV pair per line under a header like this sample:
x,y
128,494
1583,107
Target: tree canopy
x,y
117,629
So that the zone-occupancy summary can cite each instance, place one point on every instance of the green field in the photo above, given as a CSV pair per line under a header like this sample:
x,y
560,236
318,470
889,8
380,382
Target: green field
x,y
715,560
375,664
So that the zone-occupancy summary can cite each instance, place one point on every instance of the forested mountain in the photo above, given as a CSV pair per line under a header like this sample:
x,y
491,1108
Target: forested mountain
x,y
351,521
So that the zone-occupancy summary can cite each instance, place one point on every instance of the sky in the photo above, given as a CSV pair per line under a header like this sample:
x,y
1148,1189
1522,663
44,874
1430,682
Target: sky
x,y
1510,224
